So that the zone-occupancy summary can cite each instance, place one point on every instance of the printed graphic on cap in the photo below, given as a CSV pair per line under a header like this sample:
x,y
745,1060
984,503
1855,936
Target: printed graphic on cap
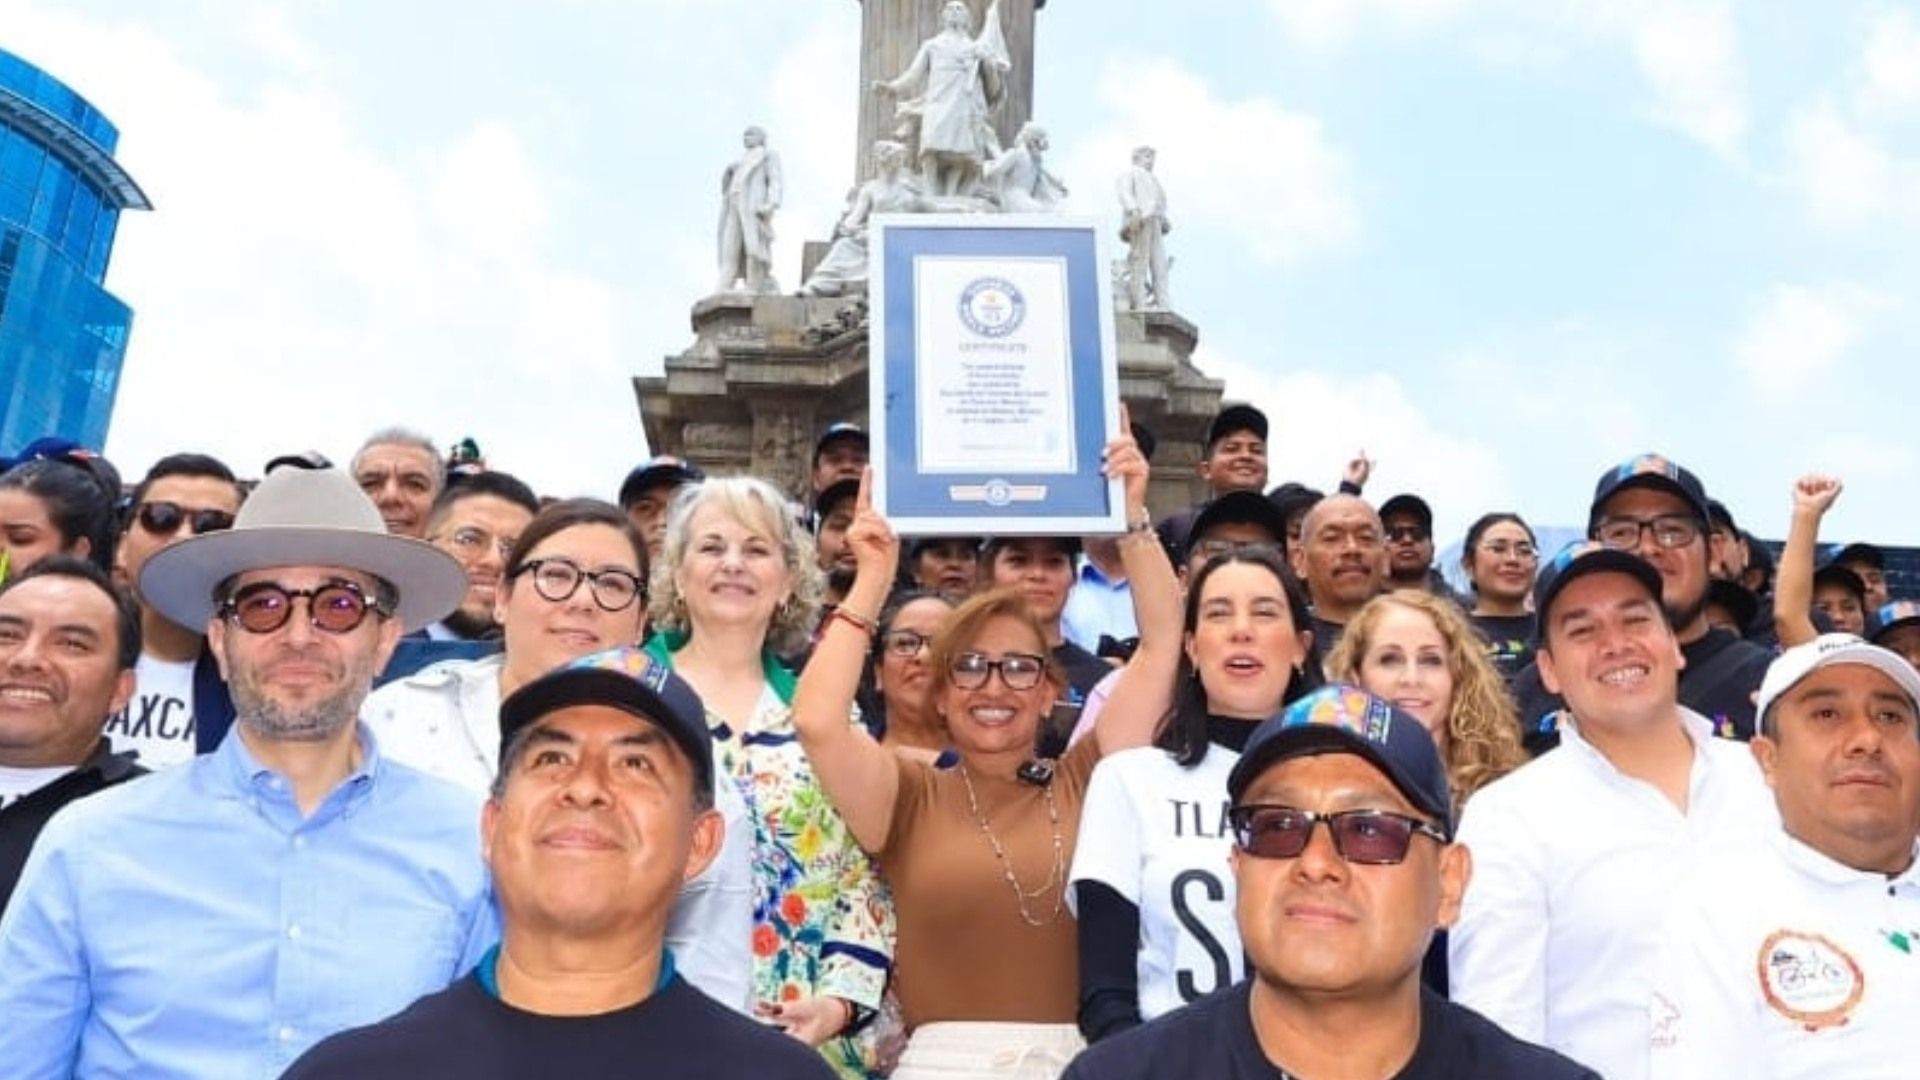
x,y
631,662
1808,979
1343,707
1649,465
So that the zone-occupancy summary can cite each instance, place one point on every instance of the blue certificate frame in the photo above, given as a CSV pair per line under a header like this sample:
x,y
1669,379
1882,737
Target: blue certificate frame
x,y
993,377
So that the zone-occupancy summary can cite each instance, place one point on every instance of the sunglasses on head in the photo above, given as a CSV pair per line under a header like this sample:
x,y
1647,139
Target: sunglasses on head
x,y
1362,837
165,518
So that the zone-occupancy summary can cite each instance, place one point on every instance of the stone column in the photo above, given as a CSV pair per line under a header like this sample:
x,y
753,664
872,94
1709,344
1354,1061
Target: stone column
x,y
890,34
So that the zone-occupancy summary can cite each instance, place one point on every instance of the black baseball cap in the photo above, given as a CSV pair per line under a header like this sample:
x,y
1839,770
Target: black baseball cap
x,y
1236,418
1409,504
1584,557
1737,599
833,495
1720,517
628,679
663,469
838,433
1858,552
1236,508
1294,496
1835,574
1650,471
1340,719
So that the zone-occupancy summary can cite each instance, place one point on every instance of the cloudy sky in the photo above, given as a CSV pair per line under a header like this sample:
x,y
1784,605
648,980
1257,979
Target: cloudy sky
x,y
1499,244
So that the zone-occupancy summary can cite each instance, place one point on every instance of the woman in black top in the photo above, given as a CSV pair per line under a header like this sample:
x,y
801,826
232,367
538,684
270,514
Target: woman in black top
x,y
1501,557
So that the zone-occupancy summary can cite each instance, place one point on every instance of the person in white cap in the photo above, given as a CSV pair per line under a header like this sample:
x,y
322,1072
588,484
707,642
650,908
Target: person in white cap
x,y
1799,956
218,919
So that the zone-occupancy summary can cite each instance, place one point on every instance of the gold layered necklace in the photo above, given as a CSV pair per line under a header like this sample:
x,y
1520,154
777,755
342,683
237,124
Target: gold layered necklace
x,y
1056,878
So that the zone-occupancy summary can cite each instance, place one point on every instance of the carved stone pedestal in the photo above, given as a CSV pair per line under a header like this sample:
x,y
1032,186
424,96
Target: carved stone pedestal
x,y
765,374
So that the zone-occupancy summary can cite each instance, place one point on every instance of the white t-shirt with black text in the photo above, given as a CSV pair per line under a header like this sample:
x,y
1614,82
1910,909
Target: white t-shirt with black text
x,y
158,721
1156,833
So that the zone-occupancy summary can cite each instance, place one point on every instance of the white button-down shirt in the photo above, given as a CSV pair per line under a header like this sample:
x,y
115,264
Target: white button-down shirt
x,y
1779,962
1574,865
445,721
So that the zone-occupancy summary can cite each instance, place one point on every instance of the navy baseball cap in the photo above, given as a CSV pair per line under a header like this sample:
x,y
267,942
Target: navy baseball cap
x,y
663,469
1650,471
1835,574
837,433
1236,418
1583,557
1893,616
1865,554
1236,508
628,679
1409,504
833,495
1340,719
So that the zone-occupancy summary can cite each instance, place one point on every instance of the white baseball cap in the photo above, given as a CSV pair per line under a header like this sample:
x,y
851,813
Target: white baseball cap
x,y
1803,660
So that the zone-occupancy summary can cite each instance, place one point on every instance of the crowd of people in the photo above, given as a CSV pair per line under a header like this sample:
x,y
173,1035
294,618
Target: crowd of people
x,y
404,768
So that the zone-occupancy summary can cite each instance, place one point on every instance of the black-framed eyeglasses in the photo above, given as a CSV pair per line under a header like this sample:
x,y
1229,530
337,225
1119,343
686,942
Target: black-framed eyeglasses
x,y
1019,671
1362,837
337,607
472,542
1406,534
1669,531
165,518
1521,550
905,644
558,579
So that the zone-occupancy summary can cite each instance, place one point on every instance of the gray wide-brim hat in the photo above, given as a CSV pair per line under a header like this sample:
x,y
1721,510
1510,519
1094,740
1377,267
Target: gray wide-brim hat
x,y
303,517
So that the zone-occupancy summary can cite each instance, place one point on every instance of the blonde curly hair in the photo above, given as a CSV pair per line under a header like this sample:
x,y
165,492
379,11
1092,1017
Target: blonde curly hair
x,y
759,506
1483,727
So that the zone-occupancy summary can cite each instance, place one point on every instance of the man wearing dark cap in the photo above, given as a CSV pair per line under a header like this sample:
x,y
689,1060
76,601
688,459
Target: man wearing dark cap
x,y
602,810
1230,523
1840,595
220,917
647,491
1335,921
1576,854
1407,523
1651,507
1235,459
832,514
840,454
1870,564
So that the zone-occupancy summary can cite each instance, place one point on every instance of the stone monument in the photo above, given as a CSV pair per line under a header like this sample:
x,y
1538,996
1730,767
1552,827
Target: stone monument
x,y
766,373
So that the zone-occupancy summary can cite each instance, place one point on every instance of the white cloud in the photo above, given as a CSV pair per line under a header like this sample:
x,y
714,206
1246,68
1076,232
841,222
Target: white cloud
x,y
1890,62
1252,167
1689,55
1328,23
1803,333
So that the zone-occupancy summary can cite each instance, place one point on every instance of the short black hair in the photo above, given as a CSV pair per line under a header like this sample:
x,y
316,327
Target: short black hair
x,y
500,485
185,464
126,611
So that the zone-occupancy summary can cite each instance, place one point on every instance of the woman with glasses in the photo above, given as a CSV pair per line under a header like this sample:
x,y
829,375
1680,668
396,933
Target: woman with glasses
x,y
977,854
1150,881
896,701
53,506
1501,557
737,587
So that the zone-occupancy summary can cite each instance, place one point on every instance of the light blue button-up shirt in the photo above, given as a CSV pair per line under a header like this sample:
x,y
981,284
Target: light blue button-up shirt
x,y
192,924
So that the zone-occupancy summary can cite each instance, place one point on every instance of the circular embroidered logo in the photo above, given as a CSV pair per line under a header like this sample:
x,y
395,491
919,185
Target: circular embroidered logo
x,y
992,307
998,493
1808,979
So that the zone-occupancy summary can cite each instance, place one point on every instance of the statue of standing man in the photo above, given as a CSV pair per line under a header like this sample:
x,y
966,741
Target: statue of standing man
x,y
749,194
1143,202
960,80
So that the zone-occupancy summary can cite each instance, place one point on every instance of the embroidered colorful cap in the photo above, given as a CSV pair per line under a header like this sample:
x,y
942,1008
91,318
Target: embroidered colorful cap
x,y
1340,719
1650,471
1893,616
627,679
1577,560
1797,663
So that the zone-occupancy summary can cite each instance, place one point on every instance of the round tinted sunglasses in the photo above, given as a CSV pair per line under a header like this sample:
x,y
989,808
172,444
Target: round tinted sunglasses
x,y
165,518
1364,837
263,607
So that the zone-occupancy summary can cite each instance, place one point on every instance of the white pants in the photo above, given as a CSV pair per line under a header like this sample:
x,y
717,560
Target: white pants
x,y
957,1050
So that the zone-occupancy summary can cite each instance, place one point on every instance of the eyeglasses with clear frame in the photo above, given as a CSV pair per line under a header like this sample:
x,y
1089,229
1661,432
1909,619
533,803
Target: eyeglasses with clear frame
x,y
905,644
1018,671
471,542
1669,531
1519,549
557,579
1361,837
338,607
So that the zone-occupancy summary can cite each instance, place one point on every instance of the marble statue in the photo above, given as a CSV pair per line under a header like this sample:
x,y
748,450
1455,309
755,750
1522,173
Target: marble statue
x,y
1144,227
749,194
891,191
1019,179
956,81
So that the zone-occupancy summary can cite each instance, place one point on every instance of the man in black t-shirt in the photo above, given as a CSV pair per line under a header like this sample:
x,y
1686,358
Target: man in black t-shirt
x,y
1335,921
602,809
1653,508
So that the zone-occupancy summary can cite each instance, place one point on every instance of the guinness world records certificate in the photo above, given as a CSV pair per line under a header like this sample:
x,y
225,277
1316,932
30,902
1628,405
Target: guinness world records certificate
x,y
993,384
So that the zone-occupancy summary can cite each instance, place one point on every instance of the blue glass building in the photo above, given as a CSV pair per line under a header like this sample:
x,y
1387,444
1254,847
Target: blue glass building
x,y
62,335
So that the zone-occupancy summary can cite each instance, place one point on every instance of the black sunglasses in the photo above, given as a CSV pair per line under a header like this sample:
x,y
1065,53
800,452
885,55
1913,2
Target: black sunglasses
x,y
165,518
1363,837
